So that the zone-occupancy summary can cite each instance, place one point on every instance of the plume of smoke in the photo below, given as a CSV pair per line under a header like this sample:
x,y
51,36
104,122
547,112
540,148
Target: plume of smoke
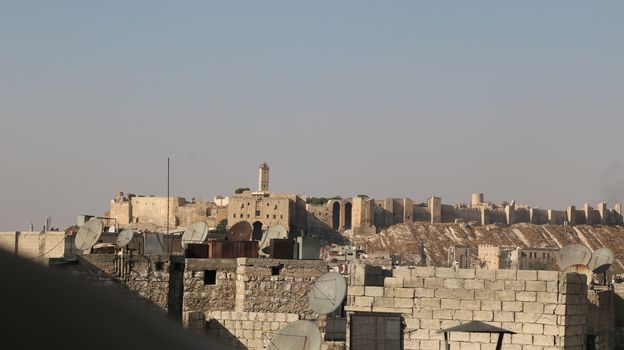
x,y
612,183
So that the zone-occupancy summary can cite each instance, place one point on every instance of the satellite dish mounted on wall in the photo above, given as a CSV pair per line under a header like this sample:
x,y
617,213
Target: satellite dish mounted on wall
x,y
601,260
88,234
573,254
240,231
278,232
124,237
298,335
327,293
197,232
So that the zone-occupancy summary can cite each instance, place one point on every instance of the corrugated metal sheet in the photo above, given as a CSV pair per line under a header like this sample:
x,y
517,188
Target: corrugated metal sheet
x,y
232,249
376,331
197,251
281,248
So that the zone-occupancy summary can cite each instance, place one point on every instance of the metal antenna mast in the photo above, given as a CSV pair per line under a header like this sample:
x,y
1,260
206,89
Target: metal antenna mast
x,y
170,240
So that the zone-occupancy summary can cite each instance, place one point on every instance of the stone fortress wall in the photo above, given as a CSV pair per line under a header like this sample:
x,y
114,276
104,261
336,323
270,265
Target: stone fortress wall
x,y
361,214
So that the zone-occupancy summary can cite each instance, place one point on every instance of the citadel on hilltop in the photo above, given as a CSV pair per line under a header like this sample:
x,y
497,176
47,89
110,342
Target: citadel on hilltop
x,y
360,214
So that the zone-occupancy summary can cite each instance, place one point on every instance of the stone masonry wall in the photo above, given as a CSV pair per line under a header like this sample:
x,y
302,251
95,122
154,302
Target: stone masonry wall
x,y
270,285
545,309
201,297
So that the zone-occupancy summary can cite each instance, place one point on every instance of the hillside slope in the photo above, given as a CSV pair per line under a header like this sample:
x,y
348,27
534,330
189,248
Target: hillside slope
x,y
405,239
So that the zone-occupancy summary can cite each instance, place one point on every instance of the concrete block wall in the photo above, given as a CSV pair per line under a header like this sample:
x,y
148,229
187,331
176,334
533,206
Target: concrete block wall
x,y
600,317
618,304
246,330
39,245
7,241
544,308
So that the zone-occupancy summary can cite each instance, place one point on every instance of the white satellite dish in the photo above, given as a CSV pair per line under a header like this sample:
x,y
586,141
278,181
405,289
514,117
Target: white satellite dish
x,y
274,232
88,234
124,237
601,260
298,335
573,254
327,293
197,232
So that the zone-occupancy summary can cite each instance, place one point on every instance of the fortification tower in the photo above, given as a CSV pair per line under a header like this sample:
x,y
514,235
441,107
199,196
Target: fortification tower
x,y
263,178
477,198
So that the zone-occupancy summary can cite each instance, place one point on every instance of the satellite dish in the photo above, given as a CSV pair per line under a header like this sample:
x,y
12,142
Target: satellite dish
x,y
327,293
124,237
240,231
196,233
601,260
88,234
298,335
573,254
278,232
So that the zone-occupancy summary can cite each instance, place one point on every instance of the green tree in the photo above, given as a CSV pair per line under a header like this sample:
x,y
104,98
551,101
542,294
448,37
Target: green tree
x,y
241,190
317,200
222,227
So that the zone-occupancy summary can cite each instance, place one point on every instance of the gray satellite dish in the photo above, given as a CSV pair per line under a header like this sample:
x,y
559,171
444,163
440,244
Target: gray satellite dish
x,y
327,293
277,232
573,254
196,233
124,237
240,231
601,260
88,234
298,335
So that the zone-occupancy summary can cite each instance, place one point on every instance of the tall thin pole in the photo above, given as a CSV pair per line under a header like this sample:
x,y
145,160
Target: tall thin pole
x,y
170,241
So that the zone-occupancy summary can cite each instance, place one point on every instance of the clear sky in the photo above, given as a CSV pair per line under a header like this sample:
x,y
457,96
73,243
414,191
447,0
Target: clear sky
x,y
521,100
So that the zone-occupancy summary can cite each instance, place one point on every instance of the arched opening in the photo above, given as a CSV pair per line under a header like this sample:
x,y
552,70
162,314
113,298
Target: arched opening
x,y
257,231
336,215
347,216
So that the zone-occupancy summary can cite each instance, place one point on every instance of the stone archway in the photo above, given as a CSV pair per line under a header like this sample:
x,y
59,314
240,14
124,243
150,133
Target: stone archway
x,y
257,231
348,208
336,215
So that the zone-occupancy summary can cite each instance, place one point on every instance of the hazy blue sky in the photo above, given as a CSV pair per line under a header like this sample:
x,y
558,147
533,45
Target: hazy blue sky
x,y
521,100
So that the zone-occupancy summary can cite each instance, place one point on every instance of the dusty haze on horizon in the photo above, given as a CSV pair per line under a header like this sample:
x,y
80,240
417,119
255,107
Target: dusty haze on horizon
x,y
520,101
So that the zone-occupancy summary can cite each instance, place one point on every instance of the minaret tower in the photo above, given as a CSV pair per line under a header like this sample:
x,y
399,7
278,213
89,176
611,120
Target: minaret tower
x,y
263,178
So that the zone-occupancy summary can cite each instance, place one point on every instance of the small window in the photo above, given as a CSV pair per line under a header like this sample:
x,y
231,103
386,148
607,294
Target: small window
x,y
268,204
257,213
281,216
267,216
247,216
275,270
241,215
274,216
210,277
234,215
